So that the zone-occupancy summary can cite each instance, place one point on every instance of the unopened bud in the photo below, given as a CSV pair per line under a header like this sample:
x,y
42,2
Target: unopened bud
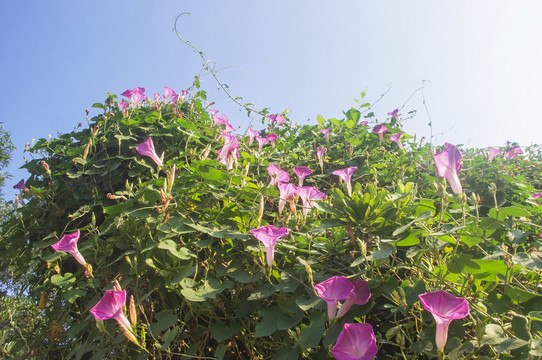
x,y
171,179
128,334
133,313
260,210
116,286
87,148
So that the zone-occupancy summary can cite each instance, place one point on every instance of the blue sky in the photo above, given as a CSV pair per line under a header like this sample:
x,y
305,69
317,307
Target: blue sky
x,y
480,61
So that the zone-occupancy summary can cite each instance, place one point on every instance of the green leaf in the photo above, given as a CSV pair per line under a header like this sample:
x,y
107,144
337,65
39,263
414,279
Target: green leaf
x,y
63,281
268,325
164,319
510,344
170,245
73,294
97,106
508,211
424,215
380,254
288,320
312,334
223,332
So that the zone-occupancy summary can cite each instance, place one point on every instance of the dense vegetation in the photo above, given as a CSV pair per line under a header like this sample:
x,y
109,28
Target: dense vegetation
x,y
175,233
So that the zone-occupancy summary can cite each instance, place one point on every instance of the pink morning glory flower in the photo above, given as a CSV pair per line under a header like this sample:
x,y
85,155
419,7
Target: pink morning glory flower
x,y
261,142
448,164
355,342
536,195
123,106
223,119
332,291
68,243
346,176
492,153
21,186
364,123
307,194
326,133
512,153
444,307
136,95
213,112
229,151
380,130
360,295
252,135
184,93
110,307
287,190
394,114
268,236
228,127
277,174
280,120
302,172
397,139
146,148
272,118
272,138
169,93
320,156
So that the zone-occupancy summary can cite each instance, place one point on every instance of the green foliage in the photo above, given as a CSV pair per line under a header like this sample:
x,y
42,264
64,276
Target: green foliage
x,y
179,242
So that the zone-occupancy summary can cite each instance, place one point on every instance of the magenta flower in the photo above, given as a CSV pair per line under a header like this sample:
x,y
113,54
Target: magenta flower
x,y
146,148
277,174
355,342
269,235
228,127
534,196
326,133
320,156
157,98
230,150
184,93
302,172
223,119
394,114
68,243
272,138
448,164
123,106
380,130
280,120
20,186
360,295
397,139
332,291
307,194
111,306
512,153
169,93
364,123
492,153
136,95
252,135
287,190
272,118
346,176
213,112
444,307
261,142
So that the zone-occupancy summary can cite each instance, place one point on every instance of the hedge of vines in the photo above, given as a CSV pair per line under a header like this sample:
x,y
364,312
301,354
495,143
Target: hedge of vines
x,y
174,234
